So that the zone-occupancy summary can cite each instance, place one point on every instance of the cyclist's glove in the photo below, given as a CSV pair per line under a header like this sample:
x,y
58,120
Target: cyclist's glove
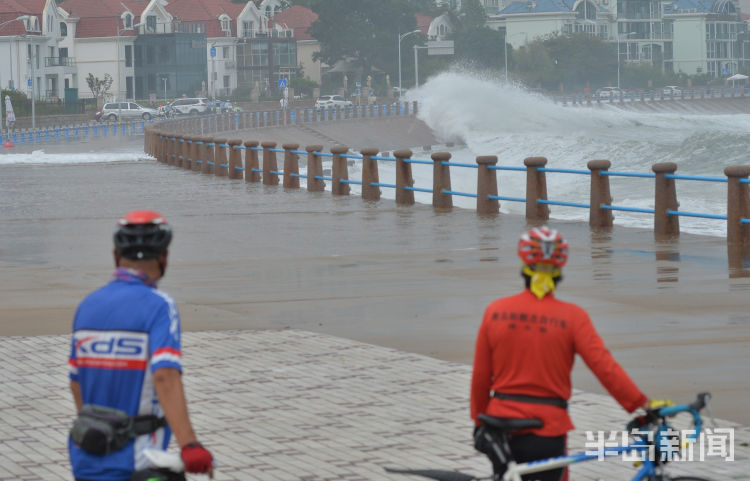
x,y
197,459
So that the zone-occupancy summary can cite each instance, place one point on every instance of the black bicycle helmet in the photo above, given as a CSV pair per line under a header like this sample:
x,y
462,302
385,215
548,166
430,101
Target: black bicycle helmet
x,y
142,234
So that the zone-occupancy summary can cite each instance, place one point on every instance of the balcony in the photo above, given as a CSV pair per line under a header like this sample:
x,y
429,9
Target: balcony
x,y
59,62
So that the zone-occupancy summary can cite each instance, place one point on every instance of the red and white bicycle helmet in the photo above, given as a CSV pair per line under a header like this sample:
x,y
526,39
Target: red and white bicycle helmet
x,y
142,234
542,245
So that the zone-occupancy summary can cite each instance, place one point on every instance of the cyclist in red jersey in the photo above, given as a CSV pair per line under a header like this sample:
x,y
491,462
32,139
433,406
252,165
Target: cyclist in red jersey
x,y
524,355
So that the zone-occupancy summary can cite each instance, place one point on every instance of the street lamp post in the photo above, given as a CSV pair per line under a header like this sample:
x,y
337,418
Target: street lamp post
x,y
618,55
401,37
505,46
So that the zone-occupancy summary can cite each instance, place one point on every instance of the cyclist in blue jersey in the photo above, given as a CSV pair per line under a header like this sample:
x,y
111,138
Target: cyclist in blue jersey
x,y
125,364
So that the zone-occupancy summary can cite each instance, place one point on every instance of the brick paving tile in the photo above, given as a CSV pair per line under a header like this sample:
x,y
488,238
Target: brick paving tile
x,y
296,406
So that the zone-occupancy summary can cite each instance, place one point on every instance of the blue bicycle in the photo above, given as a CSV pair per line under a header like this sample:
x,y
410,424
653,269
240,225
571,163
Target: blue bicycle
x,y
652,437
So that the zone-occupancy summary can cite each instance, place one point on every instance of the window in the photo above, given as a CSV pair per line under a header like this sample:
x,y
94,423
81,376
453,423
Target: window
x,y
150,57
247,29
225,23
128,55
133,106
63,29
226,81
225,52
128,21
151,23
63,52
137,55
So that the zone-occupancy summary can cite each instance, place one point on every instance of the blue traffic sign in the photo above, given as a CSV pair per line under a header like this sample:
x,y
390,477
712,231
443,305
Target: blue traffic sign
x,y
358,84
29,82
213,51
282,83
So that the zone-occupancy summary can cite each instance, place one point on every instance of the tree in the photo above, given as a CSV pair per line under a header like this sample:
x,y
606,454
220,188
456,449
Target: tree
x,y
472,15
481,47
99,88
365,30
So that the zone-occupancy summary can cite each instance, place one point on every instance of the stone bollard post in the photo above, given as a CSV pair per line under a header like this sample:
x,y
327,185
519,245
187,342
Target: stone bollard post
x,y
339,171
187,162
269,164
252,165
487,185
220,157
415,107
665,225
180,157
370,175
209,152
171,149
291,166
441,180
738,204
235,159
536,189
314,169
403,177
198,153
600,194
162,150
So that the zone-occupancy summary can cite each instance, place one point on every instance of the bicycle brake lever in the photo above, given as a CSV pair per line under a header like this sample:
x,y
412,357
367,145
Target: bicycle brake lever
x,y
710,413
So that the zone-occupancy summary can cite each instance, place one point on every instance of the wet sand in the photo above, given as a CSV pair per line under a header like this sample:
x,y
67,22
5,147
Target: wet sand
x,y
248,256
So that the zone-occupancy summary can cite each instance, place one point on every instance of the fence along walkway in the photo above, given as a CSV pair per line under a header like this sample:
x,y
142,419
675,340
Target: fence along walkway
x,y
256,161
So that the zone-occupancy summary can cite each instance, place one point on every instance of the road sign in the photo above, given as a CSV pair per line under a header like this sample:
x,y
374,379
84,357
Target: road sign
x,y
282,83
29,82
213,51
358,84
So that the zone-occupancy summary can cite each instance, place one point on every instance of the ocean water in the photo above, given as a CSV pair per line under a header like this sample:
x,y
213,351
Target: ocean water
x,y
485,116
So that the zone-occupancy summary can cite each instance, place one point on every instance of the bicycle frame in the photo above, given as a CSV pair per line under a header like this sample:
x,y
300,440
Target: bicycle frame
x,y
649,468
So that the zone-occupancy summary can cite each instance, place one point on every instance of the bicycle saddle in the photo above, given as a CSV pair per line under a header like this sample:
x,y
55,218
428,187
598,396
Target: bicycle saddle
x,y
510,424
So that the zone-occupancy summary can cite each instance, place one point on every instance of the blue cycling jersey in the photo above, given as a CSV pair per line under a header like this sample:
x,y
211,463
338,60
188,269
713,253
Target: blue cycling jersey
x,y
122,333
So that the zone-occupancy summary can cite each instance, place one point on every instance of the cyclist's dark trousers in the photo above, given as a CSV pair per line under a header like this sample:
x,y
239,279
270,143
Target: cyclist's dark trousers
x,y
530,447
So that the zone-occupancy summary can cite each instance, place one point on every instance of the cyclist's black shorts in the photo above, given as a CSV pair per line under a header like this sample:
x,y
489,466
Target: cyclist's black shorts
x,y
530,447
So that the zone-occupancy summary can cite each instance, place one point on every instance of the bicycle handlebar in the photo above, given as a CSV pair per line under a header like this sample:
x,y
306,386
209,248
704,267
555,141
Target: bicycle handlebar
x,y
694,408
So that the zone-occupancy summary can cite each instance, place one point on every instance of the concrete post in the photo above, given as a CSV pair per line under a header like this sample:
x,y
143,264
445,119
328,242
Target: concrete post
x,y
172,149
738,204
339,171
441,180
314,169
536,189
221,162
163,145
291,166
209,153
181,158
415,107
235,159
487,185
199,153
252,166
600,194
403,177
269,164
370,174
187,162
665,225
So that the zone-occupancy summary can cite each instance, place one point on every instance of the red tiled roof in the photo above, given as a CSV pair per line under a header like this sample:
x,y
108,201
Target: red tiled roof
x,y
423,22
100,18
298,18
12,9
208,12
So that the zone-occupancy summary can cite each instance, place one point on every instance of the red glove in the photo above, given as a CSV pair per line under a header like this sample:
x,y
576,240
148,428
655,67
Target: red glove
x,y
197,459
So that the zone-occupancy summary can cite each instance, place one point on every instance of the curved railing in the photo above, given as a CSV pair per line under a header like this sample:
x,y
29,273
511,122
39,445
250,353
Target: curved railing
x,y
255,161
651,95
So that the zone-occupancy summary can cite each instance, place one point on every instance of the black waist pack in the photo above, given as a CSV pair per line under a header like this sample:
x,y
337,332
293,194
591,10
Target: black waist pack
x,y
102,430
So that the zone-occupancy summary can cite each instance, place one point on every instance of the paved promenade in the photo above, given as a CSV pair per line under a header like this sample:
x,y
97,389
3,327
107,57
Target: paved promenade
x,y
288,405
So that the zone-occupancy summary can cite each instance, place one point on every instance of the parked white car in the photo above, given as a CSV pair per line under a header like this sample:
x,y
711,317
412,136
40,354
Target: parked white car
x,y
189,106
328,101
672,91
607,93
125,111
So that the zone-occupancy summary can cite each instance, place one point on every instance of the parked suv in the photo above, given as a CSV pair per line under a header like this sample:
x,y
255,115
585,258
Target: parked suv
x,y
125,110
607,93
327,101
189,106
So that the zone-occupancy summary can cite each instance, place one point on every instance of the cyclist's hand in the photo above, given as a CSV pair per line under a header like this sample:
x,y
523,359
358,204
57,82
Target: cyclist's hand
x,y
659,403
197,459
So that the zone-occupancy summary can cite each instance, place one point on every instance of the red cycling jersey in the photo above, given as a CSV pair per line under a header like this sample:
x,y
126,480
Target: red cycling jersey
x,y
527,346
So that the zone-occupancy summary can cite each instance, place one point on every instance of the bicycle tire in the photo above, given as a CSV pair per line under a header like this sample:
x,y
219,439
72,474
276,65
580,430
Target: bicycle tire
x,y
437,474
